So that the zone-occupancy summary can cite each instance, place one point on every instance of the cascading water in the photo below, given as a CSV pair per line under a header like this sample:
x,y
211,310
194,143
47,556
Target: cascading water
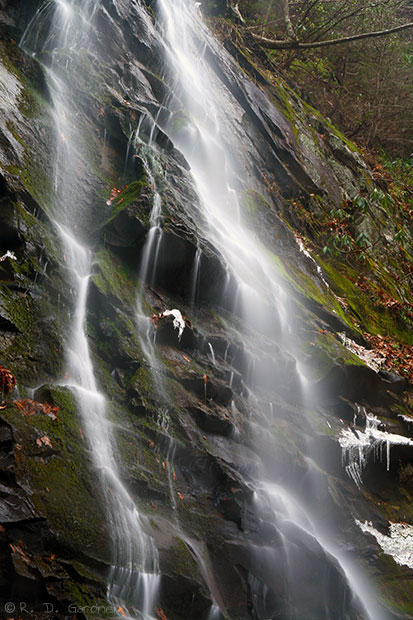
x,y
62,30
199,117
259,299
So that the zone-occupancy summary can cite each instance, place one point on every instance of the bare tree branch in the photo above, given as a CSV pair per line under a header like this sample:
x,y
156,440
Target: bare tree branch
x,y
291,34
295,44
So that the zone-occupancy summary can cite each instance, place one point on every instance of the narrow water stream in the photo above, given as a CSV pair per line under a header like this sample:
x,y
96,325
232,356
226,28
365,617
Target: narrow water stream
x,y
134,576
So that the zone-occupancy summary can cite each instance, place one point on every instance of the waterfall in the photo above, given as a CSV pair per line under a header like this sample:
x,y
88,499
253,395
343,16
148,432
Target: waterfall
x,y
202,120
59,36
204,139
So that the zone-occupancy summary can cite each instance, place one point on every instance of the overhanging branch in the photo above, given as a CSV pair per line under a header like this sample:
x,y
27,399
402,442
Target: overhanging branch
x,y
295,44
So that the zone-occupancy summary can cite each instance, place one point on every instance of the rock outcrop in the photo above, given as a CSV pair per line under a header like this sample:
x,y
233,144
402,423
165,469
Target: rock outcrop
x,y
191,459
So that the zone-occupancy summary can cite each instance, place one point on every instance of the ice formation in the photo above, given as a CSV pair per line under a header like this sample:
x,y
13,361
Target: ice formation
x,y
399,543
357,445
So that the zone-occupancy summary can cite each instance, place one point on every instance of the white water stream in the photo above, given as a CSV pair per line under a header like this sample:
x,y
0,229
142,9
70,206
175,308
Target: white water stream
x,y
260,299
134,575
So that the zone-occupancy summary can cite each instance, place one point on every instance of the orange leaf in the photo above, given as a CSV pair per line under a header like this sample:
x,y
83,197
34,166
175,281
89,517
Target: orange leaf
x,y
121,611
181,497
205,378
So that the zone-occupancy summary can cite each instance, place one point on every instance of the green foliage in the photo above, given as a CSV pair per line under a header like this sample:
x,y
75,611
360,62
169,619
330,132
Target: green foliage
x,y
366,88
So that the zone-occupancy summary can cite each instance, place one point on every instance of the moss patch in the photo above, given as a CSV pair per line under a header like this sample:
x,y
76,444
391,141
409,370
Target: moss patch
x,y
63,488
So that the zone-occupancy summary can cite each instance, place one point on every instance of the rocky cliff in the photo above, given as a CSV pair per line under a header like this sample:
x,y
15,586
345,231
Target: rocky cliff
x,y
302,180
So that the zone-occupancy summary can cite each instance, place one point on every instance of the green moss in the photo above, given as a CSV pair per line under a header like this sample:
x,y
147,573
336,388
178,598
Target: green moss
x,y
114,278
325,352
127,196
63,489
395,587
370,318
184,563
142,381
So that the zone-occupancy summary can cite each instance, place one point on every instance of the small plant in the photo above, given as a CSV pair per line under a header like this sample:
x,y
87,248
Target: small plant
x,y
406,474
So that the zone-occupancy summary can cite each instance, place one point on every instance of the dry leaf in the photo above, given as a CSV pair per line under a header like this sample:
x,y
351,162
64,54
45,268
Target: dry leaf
x,y
44,441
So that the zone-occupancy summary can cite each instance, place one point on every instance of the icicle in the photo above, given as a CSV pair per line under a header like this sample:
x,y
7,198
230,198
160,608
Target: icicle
x,y
356,445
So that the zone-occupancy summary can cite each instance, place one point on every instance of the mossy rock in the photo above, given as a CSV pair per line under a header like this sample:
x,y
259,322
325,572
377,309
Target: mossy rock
x,y
114,279
366,316
64,489
325,351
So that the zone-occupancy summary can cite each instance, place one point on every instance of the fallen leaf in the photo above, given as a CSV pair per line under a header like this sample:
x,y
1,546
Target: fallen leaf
x,y
121,611
205,378
2,529
30,407
44,441
181,497
17,550
161,614
7,380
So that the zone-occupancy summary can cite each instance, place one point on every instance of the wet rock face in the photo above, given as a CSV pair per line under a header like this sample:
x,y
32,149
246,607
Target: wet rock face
x,y
192,438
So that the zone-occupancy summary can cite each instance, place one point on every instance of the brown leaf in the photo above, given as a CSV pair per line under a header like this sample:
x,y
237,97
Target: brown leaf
x,y
7,380
17,550
31,407
161,614
44,441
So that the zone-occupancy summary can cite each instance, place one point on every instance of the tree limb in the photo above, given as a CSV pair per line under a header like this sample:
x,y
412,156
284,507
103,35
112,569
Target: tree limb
x,y
295,44
291,35
235,9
